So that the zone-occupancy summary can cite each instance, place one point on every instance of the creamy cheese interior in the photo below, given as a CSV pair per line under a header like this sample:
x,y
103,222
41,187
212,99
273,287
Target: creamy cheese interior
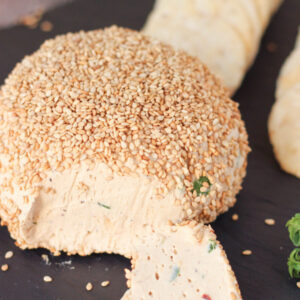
x,y
83,210
95,211
181,264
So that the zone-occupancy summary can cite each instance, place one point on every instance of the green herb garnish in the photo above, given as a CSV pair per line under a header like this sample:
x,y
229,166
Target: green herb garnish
x,y
198,184
212,246
293,226
294,263
103,205
175,273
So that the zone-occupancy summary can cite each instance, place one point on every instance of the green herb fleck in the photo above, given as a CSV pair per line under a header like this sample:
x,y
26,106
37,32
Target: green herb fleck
x,y
103,205
175,273
294,263
212,246
198,184
293,226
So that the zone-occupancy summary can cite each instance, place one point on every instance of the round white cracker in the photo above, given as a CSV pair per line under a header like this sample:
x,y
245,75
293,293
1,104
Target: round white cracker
x,y
284,130
284,121
290,72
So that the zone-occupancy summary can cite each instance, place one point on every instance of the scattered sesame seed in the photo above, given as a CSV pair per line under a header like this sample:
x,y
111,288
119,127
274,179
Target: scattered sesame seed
x,y
247,252
46,26
4,267
235,217
298,284
105,283
270,222
89,286
47,278
31,21
8,255
45,258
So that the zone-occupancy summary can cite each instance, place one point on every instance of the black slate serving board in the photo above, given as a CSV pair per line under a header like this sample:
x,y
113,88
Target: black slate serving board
x,y
267,191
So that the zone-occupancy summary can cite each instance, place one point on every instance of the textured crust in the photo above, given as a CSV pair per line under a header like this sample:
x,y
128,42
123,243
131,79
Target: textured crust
x,y
113,96
195,129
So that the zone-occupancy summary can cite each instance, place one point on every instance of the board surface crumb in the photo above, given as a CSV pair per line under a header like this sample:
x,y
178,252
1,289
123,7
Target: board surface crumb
x,y
235,217
247,252
4,267
105,283
47,278
46,26
8,255
89,286
270,222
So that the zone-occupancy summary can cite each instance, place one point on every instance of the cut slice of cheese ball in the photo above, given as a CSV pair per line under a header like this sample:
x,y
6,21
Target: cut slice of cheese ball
x,y
181,262
104,132
284,121
225,35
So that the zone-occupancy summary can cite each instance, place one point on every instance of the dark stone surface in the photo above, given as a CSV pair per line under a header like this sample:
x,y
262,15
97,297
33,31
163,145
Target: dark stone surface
x,y
268,191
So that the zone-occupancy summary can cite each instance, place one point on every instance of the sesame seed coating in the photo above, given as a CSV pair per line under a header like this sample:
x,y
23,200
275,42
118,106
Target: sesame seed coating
x,y
112,96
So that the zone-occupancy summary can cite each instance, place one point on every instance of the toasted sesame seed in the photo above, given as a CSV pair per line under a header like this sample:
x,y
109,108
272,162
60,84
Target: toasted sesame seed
x,y
46,26
31,21
105,283
247,252
8,255
45,258
270,222
4,267
47,278
89,286
235,217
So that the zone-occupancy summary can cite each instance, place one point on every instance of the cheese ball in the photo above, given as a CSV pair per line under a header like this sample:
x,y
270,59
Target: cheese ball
x,y
104,132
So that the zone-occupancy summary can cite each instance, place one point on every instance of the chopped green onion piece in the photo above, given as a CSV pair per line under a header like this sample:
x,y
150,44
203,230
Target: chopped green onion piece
x,y
212,246
103,205
293,226
198,184
176,272
294,263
